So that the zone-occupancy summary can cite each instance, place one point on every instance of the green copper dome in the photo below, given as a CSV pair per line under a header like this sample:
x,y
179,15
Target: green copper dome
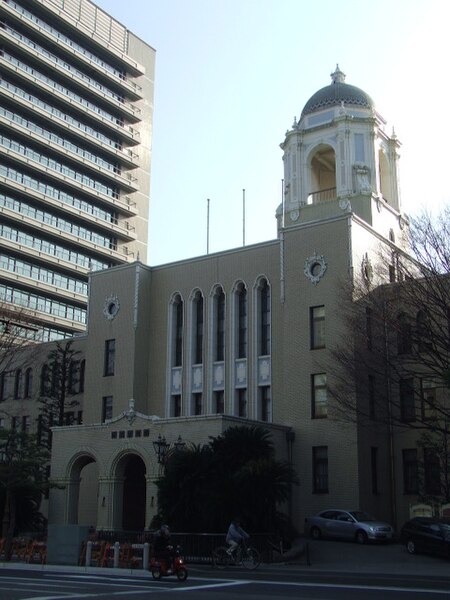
x,y
337,93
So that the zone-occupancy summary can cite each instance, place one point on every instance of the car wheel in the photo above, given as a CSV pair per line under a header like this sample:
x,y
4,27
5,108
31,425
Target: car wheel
x,y
315,533
411,547
361,536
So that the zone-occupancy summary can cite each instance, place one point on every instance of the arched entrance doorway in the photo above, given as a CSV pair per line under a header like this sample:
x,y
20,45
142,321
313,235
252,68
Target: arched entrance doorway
x,y
134,492
82,491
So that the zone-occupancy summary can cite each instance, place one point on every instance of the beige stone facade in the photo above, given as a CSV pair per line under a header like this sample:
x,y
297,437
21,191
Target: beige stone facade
x,y
242,336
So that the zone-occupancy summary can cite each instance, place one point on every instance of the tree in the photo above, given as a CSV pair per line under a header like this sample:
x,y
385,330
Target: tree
x,y
236,473
59,380
391,367
22,478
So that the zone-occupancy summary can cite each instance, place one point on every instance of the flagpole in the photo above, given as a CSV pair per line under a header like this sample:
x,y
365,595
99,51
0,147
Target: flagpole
x,y
243,217
207,227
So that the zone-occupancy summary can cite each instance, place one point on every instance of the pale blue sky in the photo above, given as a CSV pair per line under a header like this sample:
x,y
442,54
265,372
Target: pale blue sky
x,y
232,74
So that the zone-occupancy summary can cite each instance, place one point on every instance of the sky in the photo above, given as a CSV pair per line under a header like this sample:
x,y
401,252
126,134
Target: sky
x,y
231,75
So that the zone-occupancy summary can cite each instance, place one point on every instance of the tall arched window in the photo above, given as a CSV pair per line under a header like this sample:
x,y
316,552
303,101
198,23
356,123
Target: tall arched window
x,y
18,384
220,326
178,331
198,329
423,331
82,374
28,387
264,318
242,322
45,380
404,345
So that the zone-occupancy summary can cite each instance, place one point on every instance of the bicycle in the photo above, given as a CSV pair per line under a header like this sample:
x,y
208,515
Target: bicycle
x,y
244,555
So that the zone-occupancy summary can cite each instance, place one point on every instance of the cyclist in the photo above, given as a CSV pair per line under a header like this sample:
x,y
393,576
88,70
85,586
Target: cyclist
x,y
235,535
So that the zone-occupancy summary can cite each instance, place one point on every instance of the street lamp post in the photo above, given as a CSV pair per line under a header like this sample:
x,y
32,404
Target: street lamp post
x,y
162,448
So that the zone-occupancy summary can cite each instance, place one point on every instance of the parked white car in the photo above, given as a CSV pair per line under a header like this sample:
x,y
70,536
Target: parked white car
x,y
348,524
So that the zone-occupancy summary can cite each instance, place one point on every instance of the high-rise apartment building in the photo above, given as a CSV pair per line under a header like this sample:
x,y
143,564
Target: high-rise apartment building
x,y
76,104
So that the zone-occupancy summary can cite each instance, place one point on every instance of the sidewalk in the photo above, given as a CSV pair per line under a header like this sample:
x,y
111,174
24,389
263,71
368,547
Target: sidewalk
x,y
325,557
349,557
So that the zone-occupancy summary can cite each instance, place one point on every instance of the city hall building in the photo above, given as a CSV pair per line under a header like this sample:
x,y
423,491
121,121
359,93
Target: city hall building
x,y
180,352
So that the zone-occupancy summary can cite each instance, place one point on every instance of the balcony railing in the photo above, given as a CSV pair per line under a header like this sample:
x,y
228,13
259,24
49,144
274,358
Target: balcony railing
x,y
322,196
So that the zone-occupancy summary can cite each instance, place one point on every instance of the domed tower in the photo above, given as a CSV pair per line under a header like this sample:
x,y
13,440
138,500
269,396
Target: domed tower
x,y
338,157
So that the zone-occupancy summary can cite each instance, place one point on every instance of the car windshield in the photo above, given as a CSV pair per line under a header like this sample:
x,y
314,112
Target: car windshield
x,y
359,515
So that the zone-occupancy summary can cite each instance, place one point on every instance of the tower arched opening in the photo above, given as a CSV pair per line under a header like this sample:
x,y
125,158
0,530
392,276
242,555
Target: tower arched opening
x,y
322,175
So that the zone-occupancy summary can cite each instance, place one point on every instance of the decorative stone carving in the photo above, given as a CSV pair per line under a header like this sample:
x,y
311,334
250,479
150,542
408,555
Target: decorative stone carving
x,y
361,175
315,267
294,215
111,307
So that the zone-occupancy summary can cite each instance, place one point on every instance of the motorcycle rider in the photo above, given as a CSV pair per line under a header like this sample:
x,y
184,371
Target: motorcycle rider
x,y
162,548
235,535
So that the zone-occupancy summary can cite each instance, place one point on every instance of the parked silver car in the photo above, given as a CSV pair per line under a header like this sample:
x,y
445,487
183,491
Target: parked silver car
x,y
348,524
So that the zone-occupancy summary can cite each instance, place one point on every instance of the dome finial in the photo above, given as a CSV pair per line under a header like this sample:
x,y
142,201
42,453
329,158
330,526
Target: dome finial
x,y
338,76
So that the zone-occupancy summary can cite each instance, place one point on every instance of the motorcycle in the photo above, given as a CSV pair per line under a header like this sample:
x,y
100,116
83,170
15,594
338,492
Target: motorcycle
x,y
160,568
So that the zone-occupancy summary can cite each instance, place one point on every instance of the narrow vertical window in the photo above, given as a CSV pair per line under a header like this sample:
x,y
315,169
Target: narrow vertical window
x,y
18,384
176,405
82,375
265,319
110,356
320,469
242,323
220,326
369,328
407,400
178,350
28,383
26,424
266,403
432,472
404,345
242,402
219,400
198,330
107,408
410,471
319,396
3,386
374,468
317,326
371,391
198,401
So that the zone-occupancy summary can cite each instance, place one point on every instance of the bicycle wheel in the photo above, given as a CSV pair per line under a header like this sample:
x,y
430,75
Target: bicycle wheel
x,y
250,558
221,558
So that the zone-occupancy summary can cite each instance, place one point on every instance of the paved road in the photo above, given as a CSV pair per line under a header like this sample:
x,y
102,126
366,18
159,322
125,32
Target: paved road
x,y
338,570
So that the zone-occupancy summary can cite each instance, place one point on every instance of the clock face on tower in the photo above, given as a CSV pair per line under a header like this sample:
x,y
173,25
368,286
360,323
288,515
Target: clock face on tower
x,y
111,307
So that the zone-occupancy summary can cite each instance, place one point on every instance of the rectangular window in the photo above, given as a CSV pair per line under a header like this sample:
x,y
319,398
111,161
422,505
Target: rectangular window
x,y
198,400
69,418
432,472
371,390
219,402
266,403
410,471
428,398
265,319
391,273
319,404
359,148
26,424
110,355
320,469
369,328
407,400
176,405
15,422
242,402
317,326
374,469
2,423
107,408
